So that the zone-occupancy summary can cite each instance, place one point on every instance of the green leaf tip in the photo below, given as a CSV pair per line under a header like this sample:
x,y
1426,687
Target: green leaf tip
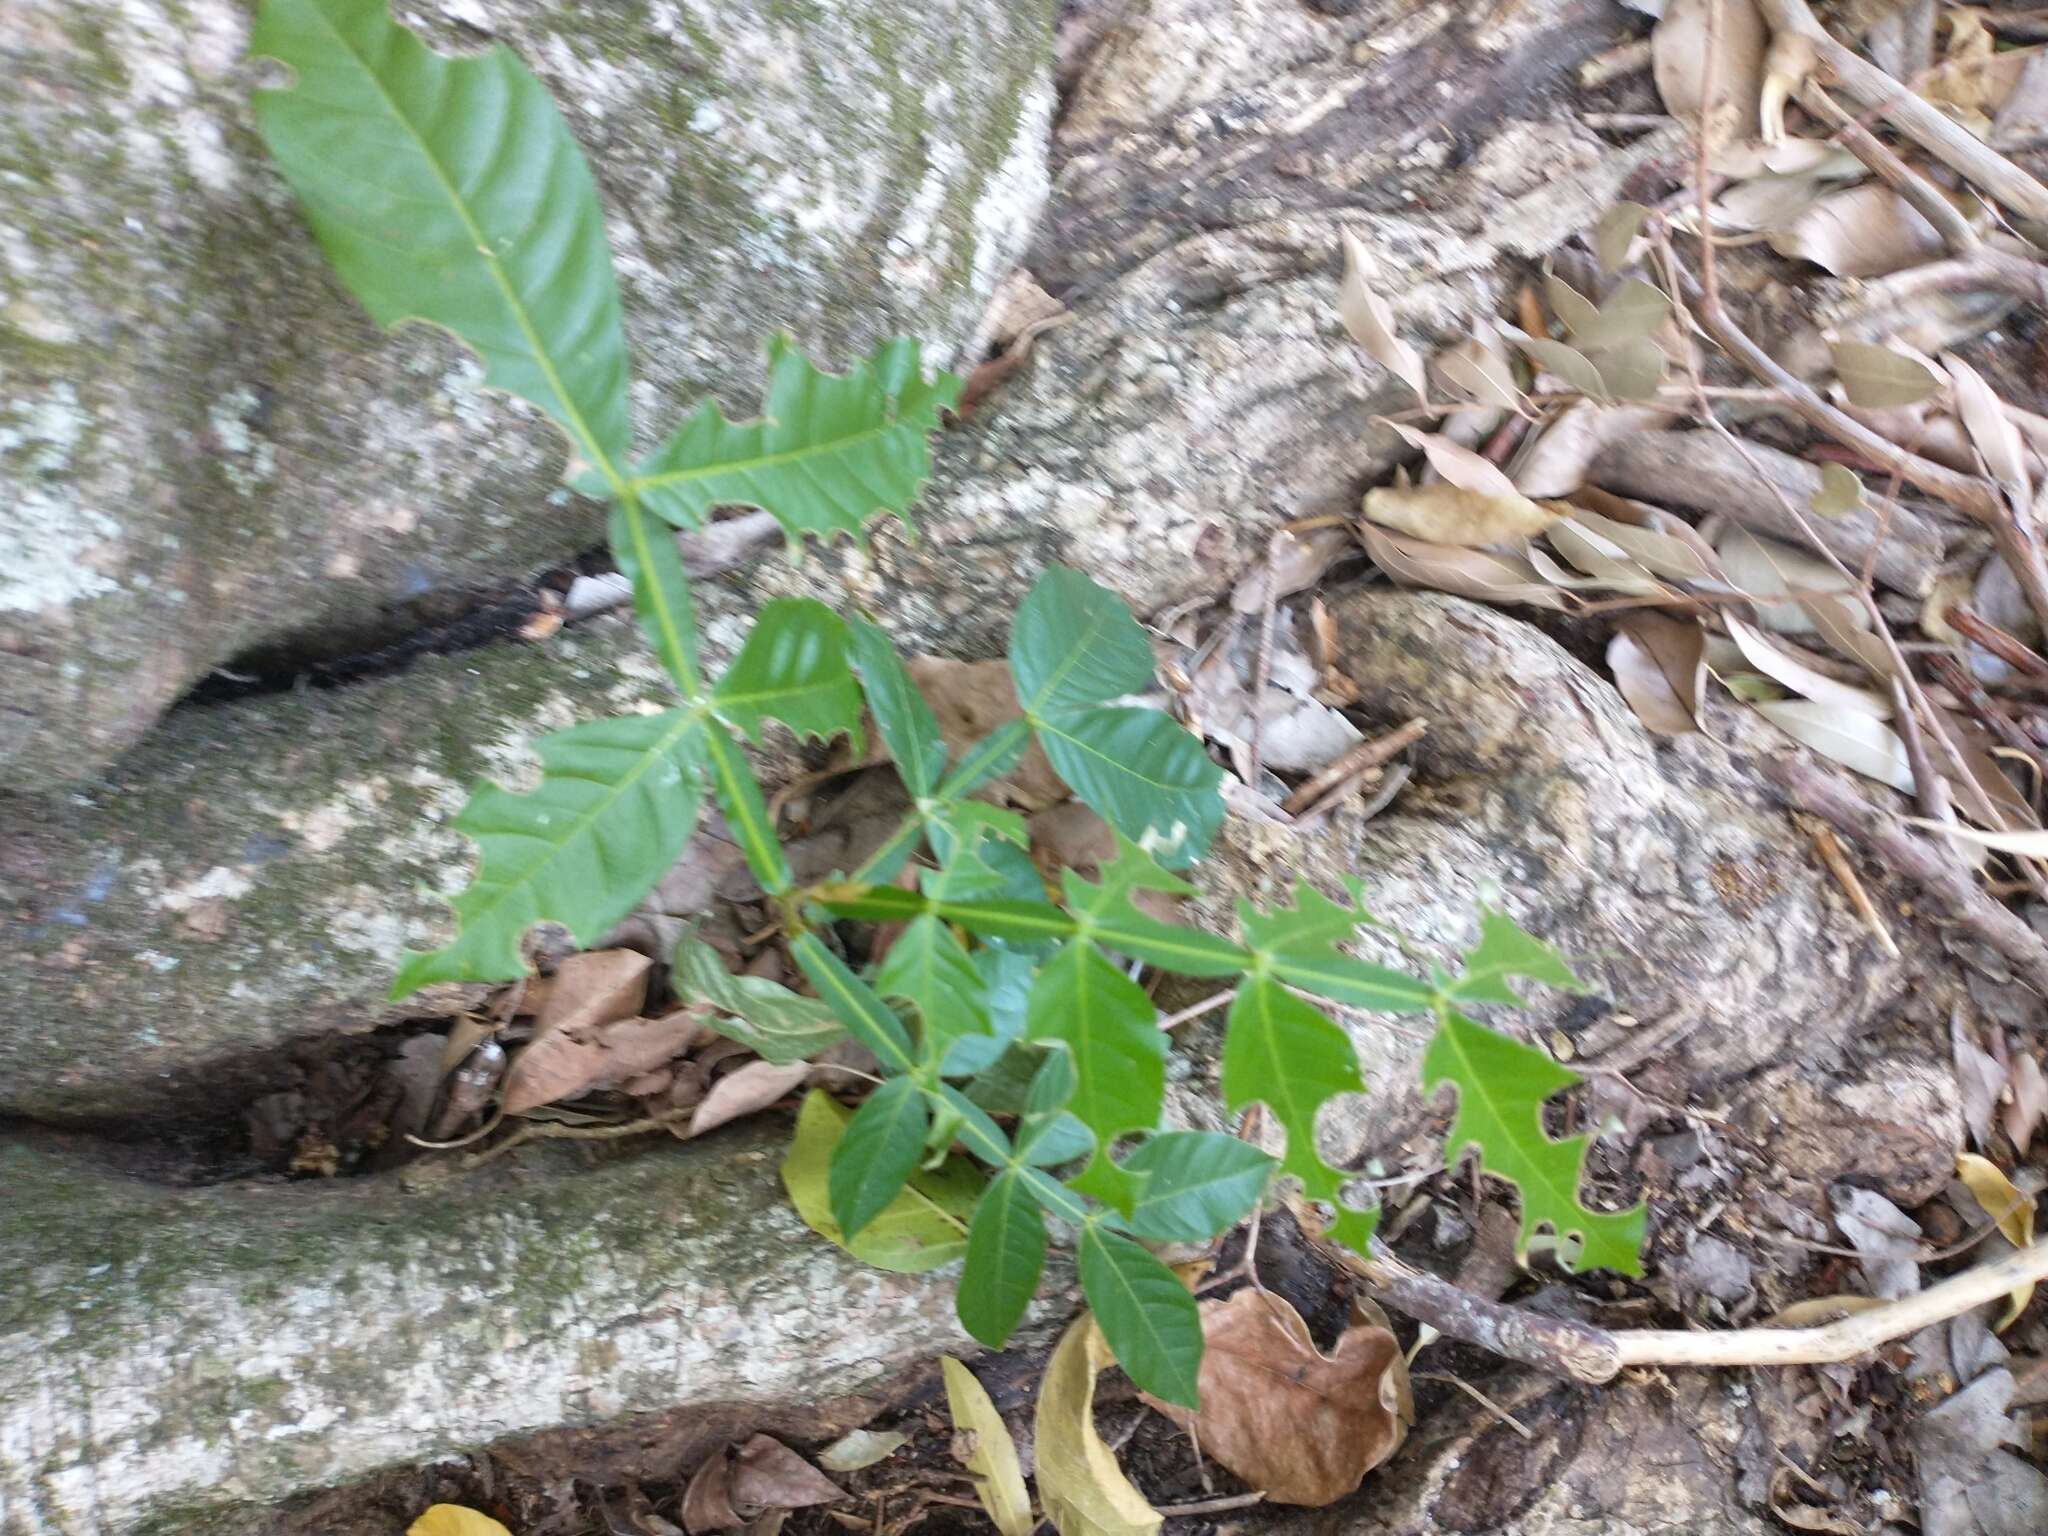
x,y
828,452
1502,1085
793,667
1507,951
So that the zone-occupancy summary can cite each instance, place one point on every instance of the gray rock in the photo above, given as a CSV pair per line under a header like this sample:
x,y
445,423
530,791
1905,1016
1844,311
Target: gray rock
x,y
166,1354
207,450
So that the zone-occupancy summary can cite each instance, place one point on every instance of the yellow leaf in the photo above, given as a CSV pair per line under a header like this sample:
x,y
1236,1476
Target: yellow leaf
x,y
454,1520
2013,1211
1449,514
1084,1491
1001,1489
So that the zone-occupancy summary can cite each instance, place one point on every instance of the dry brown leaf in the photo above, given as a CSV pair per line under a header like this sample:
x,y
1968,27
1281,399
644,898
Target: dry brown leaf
x,y
1574,311
567,1062
1781,663
595,988
745,1090
1769,570
1787,62
1294,562
1567,362
1659,664
1477,369
969,699
1670,555
1632,370
2012,1211
1301,1426
1866,231
1877,377
1678,61
1083,1490
1975,78
1767,202
1459,465
1480,573
1554,461
1371,322
1980,1080
1789,157
766,1474
1449,514
1992,429
2027,1105
707,1502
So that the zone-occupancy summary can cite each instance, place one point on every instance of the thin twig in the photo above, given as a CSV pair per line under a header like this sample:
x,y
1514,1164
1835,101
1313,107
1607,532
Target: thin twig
x,y
1926,198
2008,649
1262,661
1831,854
1930,788
1616,63
1196,1010
1211,1506
1478,1397
1367,754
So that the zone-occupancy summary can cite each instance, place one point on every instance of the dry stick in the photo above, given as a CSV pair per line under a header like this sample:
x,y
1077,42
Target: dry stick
x,y
1950,886
2013,652
1830,850
1919,120
1930,788
1989,268
1615,63
1926,198
1985,708
1367,754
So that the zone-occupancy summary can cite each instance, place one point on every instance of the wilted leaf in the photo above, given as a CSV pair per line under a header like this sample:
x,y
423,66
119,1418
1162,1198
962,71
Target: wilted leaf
x,y
999,1475
1600,557
1768,570
1856,741
594,988
568,1062
1371,322
1776,661
861,1448
454,1520
1458,465
1298,1425
773,1022
1866,231
923,1227
1448,514
1084,1492
1876,377
1616,232
1787,63
745,1091
1477,370
766,1474
1840,493
1479,573
2012,1211
1679,62
1659,664
707,1501
1991,428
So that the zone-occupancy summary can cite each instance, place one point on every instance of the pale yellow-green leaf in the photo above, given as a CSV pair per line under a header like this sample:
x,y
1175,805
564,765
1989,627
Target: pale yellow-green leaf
x,y
1859,742
994,1462
1371,322
1449,514
1876,377
1679,55
1777,661
1840,493
2012,1211
923,1227
1084,1492
454,1520
1476,369
1574,311
1568,363
1991,428
1632,370
1459,465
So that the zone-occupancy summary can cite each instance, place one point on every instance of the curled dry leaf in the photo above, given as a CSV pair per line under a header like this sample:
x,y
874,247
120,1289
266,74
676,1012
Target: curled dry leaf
x,y
766,1474
1866,231
1480,573
1787,63
1659,664
1877,377
993,1462
745,1091
594,988
1458,465
1992,429
1679,63
2028,1106
1084,1492
1858,742
2009,1209
1478,370
1781,664
2027,844
1449,514
1371,322
1298,1425
707,1501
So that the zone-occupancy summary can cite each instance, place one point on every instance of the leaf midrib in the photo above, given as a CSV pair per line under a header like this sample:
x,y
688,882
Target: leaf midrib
x,y
670,477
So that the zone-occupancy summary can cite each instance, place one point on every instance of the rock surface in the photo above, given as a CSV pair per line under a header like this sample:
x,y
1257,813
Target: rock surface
x,y
207,450
168,1354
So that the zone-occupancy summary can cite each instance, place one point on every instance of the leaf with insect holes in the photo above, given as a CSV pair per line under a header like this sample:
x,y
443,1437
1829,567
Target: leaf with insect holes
x,y
1119,924
1146,1315
1110,1026
1281,1052
450,190
1073,647
1298,944
1502,1086
923,1228
1507,952
1371,322
1876,378
615,803
828,452
792,668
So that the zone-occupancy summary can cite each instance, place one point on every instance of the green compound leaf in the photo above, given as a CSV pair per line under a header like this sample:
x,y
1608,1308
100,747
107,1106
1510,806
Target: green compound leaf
x,y
1200,1183
792,668
1109,1024
776,1024
450,191
645,552
1146,1315
1115,922
922,1228
1074,644
927,968
828,451
883,1144
1300,945
1504,951
1282,1052
616,801
866,1017
1005,1257
905,721
1501,1087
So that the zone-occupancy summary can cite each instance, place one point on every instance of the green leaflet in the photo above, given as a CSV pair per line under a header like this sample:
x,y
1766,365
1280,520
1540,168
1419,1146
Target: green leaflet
x,y
792,668
616,801
1501,1087
1073,647
1005,1257
1198,1184
1115,922
1280,1051
866,1017
450,191
1505,951
646,556
776,1024
1299,944
902,717
827,453
927,968
922,1228
1145,1314
883,1144
746,813
1109,1024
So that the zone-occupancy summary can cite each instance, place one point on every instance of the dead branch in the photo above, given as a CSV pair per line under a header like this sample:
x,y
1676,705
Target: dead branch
x,y
1925,197
1367,754
2013,652
1949,887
